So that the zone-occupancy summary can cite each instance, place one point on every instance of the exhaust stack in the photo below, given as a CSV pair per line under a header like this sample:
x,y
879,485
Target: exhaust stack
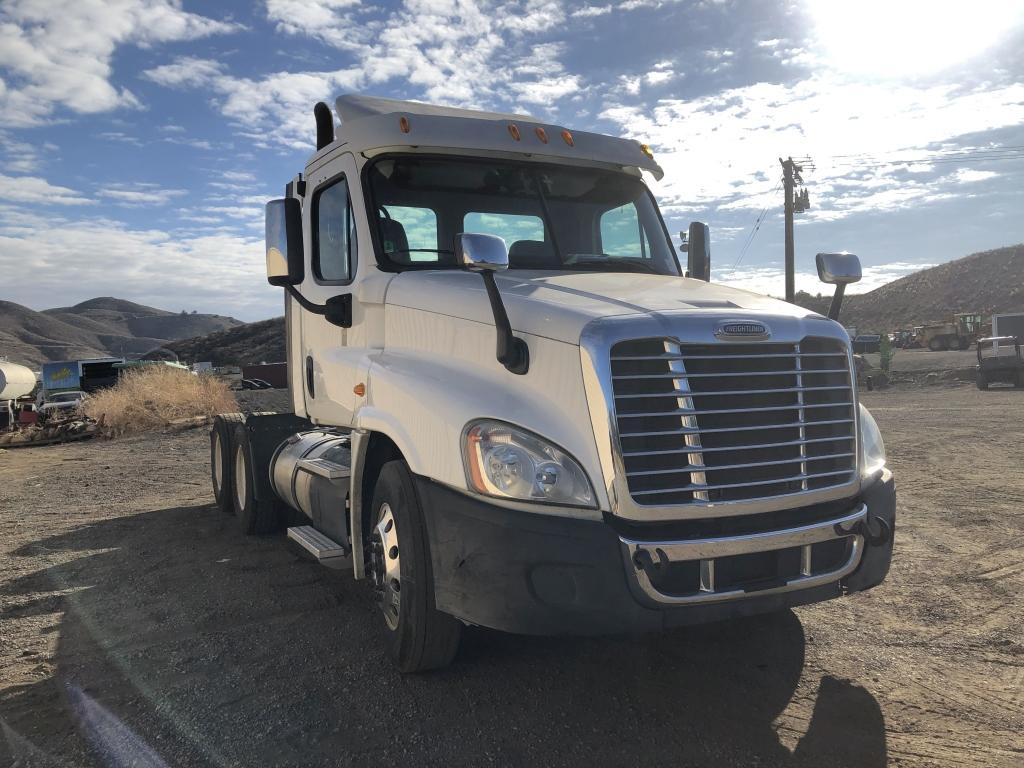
x,y
324,125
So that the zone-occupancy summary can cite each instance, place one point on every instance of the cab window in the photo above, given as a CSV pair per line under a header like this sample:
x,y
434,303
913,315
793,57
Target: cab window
x,y
621,233
333,223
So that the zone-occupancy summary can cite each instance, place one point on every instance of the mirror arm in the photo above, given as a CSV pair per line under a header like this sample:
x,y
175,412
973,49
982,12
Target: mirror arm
x,y
306,304
512,352
837,301
341,315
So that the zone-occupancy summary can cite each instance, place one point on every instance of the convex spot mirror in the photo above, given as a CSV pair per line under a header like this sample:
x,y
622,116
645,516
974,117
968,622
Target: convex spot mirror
x,y
284,242
838,268
478,252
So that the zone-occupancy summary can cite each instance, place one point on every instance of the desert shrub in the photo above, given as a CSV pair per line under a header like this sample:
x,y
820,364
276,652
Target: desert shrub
x,y
150,397
886,352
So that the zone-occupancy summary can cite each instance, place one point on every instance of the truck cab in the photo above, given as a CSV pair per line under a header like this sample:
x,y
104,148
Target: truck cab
x,y
513,409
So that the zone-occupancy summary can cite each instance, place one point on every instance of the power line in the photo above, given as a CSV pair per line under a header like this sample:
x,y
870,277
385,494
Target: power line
x,y
754,229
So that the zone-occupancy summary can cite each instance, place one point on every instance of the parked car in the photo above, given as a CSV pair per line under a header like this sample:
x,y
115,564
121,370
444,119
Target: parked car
x,y
61,402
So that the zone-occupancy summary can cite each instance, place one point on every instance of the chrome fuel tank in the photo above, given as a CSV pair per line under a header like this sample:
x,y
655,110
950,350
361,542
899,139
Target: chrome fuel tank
x,y
310,473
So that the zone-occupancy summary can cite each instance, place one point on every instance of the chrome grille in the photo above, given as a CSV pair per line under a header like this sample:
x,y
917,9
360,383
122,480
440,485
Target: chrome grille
x,y
711,423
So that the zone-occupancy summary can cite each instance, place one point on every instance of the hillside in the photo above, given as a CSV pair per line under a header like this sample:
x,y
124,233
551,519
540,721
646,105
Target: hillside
x,y
251,343
990,282
96,328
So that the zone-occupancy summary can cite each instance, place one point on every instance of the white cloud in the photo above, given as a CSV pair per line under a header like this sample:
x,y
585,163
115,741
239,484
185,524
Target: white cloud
x,y
59,54
968,175
770,280
457,52
19,156
217,272
716,149
140,194
33,190
590,11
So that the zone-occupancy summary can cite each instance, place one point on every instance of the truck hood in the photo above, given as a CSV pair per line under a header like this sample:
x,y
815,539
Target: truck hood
x,y
558,305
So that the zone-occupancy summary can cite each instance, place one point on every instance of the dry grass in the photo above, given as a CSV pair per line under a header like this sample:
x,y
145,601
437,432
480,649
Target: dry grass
x,y
148,398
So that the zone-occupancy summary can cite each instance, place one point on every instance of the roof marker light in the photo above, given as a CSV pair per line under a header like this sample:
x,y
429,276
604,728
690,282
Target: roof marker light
x,y
403,124
567,138
541,134
647,151
513,130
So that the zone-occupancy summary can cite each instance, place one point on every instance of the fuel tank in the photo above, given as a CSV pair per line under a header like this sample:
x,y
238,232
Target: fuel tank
x,y
310,473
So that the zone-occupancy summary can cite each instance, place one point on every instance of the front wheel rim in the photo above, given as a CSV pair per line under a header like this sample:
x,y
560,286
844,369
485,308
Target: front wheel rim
x,y
385,565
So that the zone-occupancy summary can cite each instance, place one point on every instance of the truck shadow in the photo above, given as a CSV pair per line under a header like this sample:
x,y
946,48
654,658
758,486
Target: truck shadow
x,y
180,642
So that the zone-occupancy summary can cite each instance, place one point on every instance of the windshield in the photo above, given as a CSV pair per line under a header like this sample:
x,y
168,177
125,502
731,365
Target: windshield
x,y
551,217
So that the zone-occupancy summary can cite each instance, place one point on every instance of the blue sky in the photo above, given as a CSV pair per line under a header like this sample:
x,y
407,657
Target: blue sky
x,y
140,138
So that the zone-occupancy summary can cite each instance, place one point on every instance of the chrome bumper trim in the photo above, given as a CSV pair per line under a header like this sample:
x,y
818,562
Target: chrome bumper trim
x,y
706,550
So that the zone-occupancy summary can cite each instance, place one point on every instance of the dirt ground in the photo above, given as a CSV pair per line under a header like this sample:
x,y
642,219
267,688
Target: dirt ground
x,y
137,627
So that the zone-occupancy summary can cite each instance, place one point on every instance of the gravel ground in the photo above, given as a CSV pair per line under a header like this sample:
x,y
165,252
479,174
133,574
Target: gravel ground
x,y
137,627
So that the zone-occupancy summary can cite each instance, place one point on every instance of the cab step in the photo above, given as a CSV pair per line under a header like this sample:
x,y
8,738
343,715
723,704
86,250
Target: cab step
x,y
325,550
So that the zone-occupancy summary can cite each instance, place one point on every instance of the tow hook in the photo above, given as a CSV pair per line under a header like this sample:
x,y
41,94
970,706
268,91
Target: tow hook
x,y
644,562
875,530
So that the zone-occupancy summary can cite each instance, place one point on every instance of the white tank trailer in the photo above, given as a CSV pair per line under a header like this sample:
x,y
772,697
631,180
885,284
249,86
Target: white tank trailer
x,y
15,381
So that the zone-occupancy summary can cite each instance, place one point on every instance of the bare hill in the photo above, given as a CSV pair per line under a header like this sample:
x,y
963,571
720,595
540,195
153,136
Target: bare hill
x,y
990,282
96,328
247,344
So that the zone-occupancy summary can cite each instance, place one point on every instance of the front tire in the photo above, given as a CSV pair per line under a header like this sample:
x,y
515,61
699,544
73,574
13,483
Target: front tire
x,y
420,637
982,382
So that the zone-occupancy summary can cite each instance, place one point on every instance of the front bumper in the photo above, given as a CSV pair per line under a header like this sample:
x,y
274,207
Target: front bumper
x,y
536,574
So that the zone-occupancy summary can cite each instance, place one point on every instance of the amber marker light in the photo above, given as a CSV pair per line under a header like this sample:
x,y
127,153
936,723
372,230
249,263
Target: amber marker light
x,y
567,138
359,389
541,134
474,459
513,131
647,151
403,124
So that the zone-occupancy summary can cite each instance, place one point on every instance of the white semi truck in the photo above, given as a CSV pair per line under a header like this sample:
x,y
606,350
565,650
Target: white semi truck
x,y
512,409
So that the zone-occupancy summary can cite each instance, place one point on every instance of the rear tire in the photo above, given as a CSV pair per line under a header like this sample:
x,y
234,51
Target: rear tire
x,y
935,345
420,637
964,343
254,517
221,474
982,382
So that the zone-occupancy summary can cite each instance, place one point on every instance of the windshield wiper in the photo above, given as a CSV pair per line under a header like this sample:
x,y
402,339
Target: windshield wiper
x,y
421,250
611,264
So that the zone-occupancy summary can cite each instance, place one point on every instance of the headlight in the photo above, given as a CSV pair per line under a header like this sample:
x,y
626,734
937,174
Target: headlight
x,y
512,463
872,447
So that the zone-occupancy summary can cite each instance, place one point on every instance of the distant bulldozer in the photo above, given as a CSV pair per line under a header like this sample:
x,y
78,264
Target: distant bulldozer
x,y
958,333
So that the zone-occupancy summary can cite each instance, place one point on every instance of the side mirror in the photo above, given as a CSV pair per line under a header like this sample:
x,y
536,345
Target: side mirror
x,y
487,254
837,269
698,251
479,253
284,242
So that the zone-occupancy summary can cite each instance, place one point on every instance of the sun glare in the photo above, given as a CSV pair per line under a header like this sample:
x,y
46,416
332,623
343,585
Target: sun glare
x,y
900,38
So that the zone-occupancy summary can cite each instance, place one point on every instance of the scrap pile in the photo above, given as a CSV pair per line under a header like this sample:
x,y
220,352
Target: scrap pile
x,y
59,429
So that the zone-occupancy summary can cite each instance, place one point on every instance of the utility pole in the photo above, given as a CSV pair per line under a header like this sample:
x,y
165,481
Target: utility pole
x,y
793,204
